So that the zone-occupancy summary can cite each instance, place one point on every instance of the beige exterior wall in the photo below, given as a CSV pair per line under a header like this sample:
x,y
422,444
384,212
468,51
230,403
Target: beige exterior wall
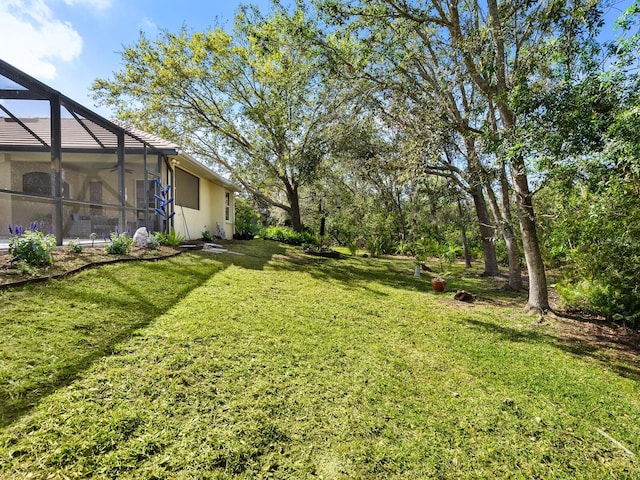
x,y
191,223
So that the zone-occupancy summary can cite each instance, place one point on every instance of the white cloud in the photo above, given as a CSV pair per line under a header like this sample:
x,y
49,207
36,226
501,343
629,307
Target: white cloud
x,y
147,25
34,39
98,4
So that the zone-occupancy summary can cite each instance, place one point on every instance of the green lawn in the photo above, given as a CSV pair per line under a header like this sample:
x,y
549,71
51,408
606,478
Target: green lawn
x,y
279,365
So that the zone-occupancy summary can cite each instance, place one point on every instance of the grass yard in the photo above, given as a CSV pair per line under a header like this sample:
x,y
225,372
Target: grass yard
x,y
280,365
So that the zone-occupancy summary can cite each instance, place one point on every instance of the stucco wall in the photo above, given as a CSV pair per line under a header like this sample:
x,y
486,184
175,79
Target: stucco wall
x,y
191,223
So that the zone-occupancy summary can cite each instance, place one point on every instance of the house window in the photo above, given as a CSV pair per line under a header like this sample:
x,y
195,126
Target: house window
x,y
227,206
37,182
40,184
187,189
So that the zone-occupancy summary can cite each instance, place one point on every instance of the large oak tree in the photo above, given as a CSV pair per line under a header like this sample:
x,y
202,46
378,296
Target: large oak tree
x,y
255,101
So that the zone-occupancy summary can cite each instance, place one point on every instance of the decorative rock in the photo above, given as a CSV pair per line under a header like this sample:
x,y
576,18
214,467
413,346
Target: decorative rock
x,y
141,236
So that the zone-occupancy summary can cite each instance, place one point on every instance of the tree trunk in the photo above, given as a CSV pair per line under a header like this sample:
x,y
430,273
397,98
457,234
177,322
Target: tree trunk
x,y
294,211
465,241
401,217
538,295
502,218
486,232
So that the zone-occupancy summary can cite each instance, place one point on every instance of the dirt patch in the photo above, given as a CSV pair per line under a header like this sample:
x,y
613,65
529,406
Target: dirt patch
x,y
595,334
65,262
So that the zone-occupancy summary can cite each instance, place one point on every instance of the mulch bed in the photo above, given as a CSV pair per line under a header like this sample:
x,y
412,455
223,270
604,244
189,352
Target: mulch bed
x,y
67,263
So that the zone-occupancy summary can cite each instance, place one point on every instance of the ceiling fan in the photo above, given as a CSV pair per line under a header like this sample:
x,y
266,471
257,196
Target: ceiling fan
x,y
114,168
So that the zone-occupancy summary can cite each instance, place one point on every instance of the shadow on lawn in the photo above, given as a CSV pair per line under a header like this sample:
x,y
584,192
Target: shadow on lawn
x,y
90,319
572,345
365,273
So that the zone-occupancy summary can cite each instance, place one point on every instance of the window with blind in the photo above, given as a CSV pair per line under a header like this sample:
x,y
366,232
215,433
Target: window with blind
x,y
187,189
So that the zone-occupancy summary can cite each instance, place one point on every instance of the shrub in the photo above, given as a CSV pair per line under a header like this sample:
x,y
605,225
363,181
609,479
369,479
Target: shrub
x,y
32,247
23,268
375,246
153,240
74,246
162,238
173,238
403,248
245,219
120,244
597,229
601,297
286,235
207,236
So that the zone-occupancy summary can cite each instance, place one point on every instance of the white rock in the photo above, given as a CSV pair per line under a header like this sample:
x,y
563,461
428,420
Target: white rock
x,y
141,236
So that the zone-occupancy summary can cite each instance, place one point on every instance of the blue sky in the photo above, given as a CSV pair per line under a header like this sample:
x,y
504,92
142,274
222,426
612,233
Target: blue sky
x,y
67,44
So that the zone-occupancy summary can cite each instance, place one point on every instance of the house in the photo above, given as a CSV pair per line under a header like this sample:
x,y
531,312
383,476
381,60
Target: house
x,y
77,174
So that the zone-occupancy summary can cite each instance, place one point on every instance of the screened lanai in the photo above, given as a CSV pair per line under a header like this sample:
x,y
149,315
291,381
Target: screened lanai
x,y
70,170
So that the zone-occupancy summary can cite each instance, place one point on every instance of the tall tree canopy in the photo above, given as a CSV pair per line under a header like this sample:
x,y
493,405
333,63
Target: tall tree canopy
x,y
255,101
502,50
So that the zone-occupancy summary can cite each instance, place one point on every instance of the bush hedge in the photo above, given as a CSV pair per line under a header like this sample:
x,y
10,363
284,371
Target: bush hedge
x,y
286,235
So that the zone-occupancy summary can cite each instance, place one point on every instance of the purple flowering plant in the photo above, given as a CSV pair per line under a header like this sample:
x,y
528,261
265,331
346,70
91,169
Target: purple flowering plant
x,y
119,243
31,246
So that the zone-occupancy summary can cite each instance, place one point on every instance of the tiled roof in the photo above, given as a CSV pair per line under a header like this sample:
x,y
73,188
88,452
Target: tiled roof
x,y
156,141
76,134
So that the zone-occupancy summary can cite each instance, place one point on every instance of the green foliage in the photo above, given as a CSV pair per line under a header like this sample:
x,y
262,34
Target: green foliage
x,y
287,235
585,295
445,252
23,268
153,240
161,237
595,234
261,87
501,252
403,248
353,247
422,248
245,219
119,244
173,238
207,236
380,231
376,246
74,246
33,247
596,238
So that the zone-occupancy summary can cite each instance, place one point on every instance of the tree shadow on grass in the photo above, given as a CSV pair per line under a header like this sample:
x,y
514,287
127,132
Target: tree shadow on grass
x,y
365,273
629,367
84,317
254,254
